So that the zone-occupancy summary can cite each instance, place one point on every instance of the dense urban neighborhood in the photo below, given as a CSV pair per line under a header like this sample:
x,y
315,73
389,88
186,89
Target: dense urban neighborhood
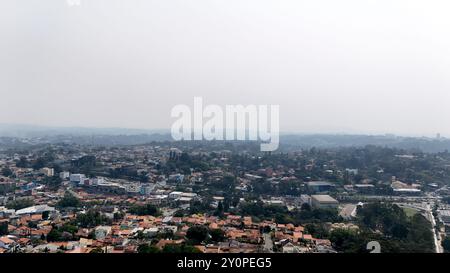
x,y
220,197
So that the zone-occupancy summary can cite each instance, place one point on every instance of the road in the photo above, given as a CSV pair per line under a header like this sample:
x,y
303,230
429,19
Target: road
x,y
349,211
437,241
268,243
427,210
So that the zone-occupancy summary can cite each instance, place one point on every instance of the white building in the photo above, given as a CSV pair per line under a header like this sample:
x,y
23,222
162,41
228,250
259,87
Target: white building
x,y
48,171
175,194
64,175
97,181
35,210
77,178
323,201
189,194
352,171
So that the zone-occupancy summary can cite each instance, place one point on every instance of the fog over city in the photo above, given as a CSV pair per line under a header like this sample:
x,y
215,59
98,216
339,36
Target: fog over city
x,y
349,66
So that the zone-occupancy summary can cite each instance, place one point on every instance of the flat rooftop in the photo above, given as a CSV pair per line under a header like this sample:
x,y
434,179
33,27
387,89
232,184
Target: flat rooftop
x,y
319,183
324,198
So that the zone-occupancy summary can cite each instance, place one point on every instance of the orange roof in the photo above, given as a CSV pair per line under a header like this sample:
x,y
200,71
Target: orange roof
x,y
6,240
40,232
80,250
36,217
23,241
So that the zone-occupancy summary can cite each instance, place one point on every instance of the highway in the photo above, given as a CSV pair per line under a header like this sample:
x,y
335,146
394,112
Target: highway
x,y
427,210
268,243
437,241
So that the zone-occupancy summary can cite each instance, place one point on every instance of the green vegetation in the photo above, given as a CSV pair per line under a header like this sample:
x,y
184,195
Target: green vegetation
x,y
92,218
217,235
282,215
20,203
390,226
197,234
146,248
69,200
6,172
64,233
317,230
3,228
170,248
85,164
22,162
6,188
147,209
181,248
410,212
52,182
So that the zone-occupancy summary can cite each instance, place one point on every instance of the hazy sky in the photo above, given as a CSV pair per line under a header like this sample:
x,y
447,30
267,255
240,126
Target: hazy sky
x,y
357,66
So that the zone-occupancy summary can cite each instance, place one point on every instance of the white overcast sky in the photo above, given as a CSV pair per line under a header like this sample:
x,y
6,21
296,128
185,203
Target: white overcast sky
x,y
356,66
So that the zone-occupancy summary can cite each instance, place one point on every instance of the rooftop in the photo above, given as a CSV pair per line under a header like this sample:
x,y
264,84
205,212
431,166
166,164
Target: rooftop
x,y
324,198
319,183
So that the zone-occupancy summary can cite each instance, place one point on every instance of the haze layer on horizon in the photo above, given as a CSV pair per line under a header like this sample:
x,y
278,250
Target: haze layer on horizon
x,y
353,66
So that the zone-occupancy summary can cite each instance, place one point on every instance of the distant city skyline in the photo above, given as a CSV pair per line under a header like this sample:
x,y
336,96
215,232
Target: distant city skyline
x,y
351,66
9,129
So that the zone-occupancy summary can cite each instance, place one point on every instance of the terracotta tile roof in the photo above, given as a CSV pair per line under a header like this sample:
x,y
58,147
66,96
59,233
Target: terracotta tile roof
x,y
23,241
6,240
80,250
36,217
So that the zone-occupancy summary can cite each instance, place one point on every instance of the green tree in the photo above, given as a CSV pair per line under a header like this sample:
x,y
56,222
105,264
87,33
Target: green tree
x,y
217,235
92,218
197,234
54,235
69,200
23,162
3,228
45,215
173,248
52,182
146,248
147,209
7,172
219,211
20,203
